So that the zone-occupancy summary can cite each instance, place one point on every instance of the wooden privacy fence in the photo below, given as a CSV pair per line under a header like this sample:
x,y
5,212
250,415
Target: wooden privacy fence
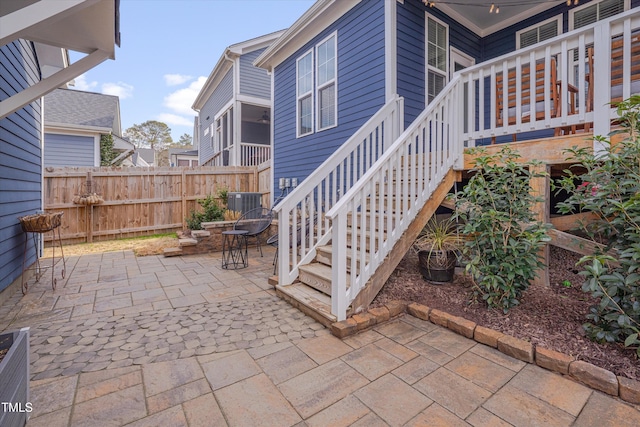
x,y
140,201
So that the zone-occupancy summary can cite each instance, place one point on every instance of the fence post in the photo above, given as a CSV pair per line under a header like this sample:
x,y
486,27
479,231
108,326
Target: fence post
x,y
89,212
184,199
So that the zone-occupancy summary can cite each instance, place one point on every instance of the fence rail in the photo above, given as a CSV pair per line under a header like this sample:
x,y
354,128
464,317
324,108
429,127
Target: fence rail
x,y
140,201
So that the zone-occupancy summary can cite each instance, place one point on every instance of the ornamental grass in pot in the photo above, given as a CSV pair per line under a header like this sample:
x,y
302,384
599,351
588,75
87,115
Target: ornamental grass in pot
x,y
437,247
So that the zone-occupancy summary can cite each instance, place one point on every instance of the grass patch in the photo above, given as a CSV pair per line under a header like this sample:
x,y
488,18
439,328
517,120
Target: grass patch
x,y
141,246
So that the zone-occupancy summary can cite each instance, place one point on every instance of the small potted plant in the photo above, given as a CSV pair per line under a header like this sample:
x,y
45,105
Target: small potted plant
x,y
437,247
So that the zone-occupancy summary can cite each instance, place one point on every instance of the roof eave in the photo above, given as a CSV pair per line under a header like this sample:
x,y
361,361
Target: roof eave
x,y
78,25
224,64
313,21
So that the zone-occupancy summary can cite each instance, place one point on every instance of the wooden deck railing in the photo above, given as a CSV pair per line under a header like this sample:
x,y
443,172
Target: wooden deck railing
x,y
583,72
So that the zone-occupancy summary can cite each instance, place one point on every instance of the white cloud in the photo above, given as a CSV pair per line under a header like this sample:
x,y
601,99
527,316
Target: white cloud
x,y
120,89
181,100
81,83
175,120
176,79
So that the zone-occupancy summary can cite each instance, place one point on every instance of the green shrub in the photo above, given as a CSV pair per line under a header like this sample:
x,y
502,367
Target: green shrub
x,y
609,186
211,211
502,238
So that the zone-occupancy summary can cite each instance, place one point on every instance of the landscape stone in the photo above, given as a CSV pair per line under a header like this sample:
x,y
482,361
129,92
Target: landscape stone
x,y
395,308
553,360
487,336
629,390
594,376
439,317
418,310
462,326
517,348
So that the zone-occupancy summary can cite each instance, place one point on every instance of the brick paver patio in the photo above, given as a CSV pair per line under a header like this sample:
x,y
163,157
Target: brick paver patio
x,y
156,341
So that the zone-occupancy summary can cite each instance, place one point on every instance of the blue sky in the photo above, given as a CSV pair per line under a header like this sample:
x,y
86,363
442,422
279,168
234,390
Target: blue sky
x,y
169,48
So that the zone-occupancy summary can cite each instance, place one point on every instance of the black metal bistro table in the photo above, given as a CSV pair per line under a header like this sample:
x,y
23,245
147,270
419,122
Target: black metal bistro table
x,y
234,249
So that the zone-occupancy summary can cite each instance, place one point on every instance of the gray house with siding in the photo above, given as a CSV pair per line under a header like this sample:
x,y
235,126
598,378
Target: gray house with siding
x,y
73,124
233,127
33,62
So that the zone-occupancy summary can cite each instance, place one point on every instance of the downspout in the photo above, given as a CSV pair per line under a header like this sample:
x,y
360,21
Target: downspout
x,y
390,49
234,156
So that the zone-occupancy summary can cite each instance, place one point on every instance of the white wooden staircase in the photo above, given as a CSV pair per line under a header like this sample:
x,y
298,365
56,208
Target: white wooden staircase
x,y
345,228
311,291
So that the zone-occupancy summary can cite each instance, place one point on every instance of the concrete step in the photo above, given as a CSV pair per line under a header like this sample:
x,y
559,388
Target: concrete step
x,y
317,276
186,241
324,255
308,300
200,233
169,252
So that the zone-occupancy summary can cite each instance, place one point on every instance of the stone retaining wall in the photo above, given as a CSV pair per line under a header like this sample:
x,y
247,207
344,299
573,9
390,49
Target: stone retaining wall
x,y
209,239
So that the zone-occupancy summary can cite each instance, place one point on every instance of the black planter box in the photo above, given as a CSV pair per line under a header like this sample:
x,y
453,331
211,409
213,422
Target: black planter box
x,y
14,379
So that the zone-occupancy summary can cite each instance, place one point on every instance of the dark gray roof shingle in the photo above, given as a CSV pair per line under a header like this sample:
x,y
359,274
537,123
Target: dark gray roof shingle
x,y
81,108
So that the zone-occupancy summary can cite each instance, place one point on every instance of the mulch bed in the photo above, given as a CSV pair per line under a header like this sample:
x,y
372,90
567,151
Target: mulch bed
x,y
548,317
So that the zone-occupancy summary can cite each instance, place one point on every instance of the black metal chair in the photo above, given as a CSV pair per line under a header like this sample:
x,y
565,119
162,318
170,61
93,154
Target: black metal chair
x,y
255,222
273,240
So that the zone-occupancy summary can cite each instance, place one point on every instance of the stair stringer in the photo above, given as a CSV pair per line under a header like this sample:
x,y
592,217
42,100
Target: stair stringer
x,y
382,274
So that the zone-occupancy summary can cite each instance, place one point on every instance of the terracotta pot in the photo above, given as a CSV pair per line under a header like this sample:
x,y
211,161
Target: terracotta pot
x,y
437,266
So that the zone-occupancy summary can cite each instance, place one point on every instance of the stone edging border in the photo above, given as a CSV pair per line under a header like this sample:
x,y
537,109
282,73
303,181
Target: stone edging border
x,y
588,374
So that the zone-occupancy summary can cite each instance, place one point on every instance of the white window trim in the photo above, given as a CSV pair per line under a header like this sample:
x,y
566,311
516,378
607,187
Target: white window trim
x,y
216,141
334,81
428,68
557,18
299,97
627,5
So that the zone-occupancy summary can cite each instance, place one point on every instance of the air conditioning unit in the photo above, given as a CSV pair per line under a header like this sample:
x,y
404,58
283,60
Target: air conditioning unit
x,y
244,202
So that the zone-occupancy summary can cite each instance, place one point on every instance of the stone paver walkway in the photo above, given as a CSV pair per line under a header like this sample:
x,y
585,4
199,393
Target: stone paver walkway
x,y
180,342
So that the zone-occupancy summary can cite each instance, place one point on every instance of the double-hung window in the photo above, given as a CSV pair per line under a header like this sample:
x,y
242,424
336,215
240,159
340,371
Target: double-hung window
x,y
540,32
437,58
595,11
326,83
304,90
316,88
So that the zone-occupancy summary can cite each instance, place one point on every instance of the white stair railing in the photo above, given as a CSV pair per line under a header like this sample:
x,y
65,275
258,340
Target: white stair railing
x,y
302,225
384,202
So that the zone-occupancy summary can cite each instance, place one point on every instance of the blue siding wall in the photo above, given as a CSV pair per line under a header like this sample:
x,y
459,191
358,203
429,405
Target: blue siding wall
x,y
360,80
220,97
20,158
254,81
69,150
411,52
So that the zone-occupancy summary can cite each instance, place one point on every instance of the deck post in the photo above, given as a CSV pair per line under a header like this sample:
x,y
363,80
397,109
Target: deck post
x,y
540,188
601,98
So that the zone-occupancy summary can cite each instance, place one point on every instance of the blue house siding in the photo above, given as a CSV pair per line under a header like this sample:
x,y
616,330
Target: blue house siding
x,y
411,52
20,158
221,96
361,91
69,150
254,81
